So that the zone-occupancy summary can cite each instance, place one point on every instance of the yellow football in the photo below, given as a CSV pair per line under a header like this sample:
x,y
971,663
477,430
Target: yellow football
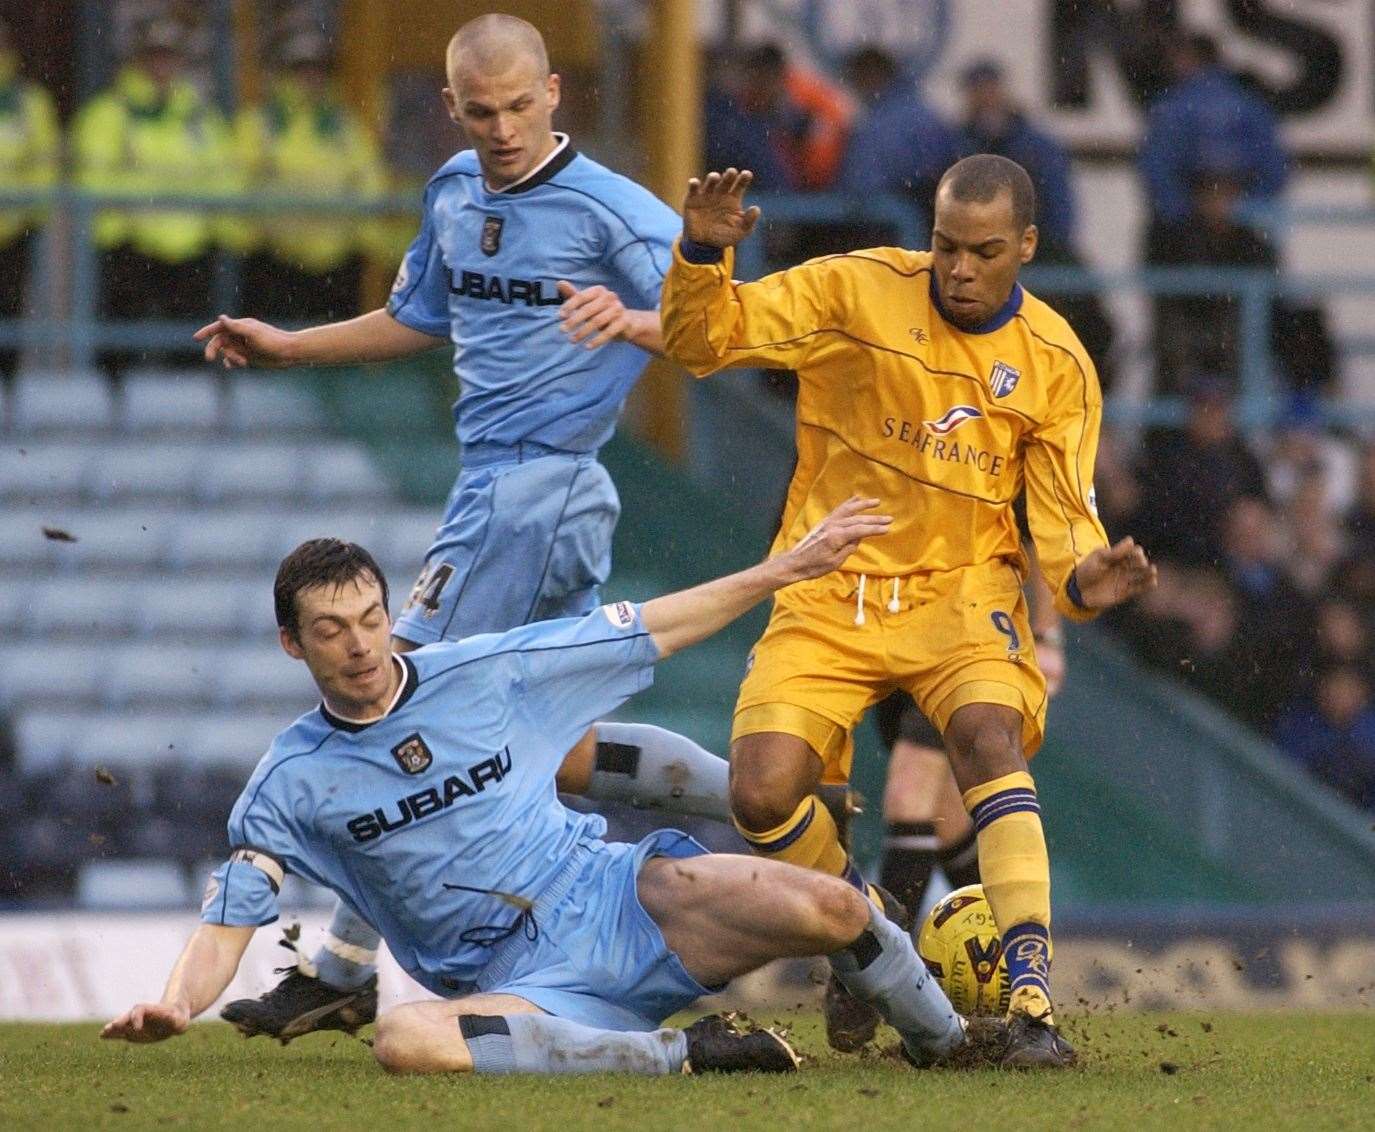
x,y
960,945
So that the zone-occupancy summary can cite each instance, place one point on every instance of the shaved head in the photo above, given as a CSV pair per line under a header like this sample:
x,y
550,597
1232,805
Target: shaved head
x,y
494,45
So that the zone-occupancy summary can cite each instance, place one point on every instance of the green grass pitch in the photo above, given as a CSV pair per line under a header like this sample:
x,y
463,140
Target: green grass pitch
x,y
1138,1071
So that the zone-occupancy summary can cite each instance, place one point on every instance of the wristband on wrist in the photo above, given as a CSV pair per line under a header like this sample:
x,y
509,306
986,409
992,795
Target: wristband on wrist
x,y
702,254
1072,592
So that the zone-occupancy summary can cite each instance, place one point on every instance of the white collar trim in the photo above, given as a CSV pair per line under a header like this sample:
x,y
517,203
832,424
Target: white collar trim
x,y
562,140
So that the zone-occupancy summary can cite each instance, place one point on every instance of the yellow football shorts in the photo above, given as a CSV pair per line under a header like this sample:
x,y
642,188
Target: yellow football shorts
x,y
949,638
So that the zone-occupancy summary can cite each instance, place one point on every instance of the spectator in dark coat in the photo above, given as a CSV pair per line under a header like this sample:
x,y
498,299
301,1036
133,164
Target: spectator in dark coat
x,y
1332,733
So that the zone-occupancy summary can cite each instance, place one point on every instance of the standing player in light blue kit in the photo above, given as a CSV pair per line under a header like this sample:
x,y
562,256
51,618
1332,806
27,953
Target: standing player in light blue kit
x,y
423,789
524,251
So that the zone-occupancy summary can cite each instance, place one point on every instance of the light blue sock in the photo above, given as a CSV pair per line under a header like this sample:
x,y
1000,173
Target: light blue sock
x,y
348,957
652,768
883,969
540,1043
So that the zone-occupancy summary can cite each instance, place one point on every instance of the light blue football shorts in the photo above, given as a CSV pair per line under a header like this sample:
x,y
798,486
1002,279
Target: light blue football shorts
x,y
526,536
597,956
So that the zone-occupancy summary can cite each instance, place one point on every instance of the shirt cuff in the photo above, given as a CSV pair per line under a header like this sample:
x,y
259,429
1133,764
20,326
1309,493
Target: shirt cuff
x,y
1072,592
700,254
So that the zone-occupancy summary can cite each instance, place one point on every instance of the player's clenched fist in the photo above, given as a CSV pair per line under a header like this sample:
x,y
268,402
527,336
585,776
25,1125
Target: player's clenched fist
x,y
148,1022
239,342
714,210
835,538
1114,574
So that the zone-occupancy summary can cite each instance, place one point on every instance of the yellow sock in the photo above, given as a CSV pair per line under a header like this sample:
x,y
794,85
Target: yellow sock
x,y
1015,870
808,839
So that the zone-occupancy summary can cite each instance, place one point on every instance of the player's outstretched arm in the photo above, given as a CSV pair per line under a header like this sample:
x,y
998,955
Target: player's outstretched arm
x,y
681,619
206,966
372,337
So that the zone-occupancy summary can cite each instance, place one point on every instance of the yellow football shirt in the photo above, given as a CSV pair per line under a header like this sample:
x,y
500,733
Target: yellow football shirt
x,y
943,425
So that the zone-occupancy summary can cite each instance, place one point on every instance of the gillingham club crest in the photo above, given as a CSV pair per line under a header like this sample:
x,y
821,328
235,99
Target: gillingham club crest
x,y
412,755
491,234
1003,380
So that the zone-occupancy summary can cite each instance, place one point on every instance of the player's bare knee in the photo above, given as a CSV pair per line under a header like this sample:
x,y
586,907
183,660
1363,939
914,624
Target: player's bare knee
x,y
392,1041
985,744
840,913
404,1041
762,799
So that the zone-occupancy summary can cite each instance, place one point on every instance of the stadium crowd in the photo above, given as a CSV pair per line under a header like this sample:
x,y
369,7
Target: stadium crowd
x,y
1267,594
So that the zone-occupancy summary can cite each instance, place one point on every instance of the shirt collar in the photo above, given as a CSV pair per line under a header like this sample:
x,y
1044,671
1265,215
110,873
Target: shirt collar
x,y
1000,318
410,678
559,156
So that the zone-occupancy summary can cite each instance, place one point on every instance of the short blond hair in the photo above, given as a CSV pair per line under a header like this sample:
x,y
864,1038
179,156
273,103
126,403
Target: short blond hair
x,y
494,43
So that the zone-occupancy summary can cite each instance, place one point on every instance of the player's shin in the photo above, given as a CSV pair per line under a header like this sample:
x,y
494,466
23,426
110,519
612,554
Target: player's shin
x,y
810,840
541,1043
882,968
652,768
909,854
348,957
1015,869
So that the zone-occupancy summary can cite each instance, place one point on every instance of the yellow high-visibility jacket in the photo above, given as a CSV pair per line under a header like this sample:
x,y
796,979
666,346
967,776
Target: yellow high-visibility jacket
x,y
30,151
310,148
132,139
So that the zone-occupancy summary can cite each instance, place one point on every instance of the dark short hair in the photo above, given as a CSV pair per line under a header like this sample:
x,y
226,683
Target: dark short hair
x,y
767,57
983,176
871,57
321,562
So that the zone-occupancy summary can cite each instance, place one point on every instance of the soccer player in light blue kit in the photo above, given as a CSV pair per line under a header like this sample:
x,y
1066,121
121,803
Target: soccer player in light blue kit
x,y
422,789
524,252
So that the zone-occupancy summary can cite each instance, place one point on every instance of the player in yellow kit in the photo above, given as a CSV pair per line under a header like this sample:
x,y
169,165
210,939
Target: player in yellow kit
x,y
933,382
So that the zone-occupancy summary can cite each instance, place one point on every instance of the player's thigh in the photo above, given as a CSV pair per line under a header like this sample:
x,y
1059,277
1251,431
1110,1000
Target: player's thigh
x,y
424,1037
972,645
579,554
725,915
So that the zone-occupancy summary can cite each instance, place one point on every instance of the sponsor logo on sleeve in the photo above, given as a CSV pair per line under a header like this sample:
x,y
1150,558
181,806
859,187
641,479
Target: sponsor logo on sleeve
x,y
212,890
621,614
402,278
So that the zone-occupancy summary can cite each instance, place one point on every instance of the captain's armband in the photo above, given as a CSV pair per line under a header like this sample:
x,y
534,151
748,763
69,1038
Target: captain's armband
x,y
269,866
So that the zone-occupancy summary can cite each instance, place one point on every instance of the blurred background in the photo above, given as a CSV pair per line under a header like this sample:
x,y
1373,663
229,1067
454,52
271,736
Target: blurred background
x,y
1207,225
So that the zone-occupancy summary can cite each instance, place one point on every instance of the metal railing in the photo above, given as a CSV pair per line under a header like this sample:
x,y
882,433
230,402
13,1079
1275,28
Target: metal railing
x,y
69,321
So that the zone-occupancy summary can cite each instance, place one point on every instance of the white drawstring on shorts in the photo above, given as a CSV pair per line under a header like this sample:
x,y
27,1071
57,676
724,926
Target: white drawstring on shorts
x,y
893,605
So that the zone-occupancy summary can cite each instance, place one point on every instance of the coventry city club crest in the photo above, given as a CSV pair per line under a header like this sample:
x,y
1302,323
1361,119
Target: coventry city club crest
x,y
491,235
951,419
1003,380
412,755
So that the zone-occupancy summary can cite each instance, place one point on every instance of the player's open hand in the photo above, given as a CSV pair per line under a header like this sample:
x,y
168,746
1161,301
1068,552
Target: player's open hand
x,y
834,539
239,342
148,1022
593,316
714,210
1114,574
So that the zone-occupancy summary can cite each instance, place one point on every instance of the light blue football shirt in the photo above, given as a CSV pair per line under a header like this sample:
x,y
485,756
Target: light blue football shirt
x,y
453,787
484,270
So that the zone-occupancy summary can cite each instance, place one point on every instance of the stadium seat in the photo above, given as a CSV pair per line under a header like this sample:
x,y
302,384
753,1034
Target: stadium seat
x,y
131,883
134,537
195,608
42,470
61,674
21,540
256,472
159,673
127,741
264,675
235,739
145,471
51,402
363,526
224,540
259,405
68,607
179,400
44,739
344,472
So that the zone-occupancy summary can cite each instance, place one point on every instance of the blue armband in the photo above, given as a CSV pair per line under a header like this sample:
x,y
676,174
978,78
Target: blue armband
x,y
1072,592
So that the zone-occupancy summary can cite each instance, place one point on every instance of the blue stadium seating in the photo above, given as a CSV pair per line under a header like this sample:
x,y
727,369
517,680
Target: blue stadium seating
x,y
154,401
55,402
